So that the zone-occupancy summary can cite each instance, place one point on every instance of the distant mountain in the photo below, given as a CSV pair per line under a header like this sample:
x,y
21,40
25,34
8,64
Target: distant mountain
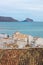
x,y
10,19
7,19
28,20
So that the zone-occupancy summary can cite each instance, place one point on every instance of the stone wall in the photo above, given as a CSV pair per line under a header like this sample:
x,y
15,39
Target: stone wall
x,y
31,56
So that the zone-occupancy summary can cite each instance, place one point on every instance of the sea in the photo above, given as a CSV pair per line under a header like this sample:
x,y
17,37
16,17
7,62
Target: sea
x,y
28,28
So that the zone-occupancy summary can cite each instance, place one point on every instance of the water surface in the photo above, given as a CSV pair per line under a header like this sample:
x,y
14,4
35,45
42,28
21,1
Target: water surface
x,y
31,28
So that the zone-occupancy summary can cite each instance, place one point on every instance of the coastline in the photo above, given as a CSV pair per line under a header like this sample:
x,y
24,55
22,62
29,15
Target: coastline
x,y
20,41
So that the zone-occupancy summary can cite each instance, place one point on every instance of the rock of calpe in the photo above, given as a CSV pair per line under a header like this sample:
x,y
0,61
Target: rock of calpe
x,y
28,20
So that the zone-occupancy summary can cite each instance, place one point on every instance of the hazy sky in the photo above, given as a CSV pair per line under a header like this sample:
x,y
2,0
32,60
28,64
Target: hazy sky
x,y
21,9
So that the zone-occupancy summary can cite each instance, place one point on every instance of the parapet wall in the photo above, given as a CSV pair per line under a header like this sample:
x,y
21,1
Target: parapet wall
x,y
31,56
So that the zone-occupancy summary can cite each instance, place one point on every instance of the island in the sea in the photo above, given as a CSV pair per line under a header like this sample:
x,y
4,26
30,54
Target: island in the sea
x,y
28,20
10,19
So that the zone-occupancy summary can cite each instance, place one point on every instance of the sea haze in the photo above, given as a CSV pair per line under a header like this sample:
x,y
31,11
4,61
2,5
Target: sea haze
x,y
30,28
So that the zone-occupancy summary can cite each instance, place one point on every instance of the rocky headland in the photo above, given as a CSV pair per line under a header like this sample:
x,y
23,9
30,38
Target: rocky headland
x,y
7,19
20,41
28,20
10,19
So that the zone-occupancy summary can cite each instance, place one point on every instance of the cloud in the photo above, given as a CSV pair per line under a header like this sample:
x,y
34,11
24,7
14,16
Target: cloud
x,y
19,5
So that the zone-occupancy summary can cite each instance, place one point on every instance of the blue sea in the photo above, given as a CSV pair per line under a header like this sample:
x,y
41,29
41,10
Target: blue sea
x,y
30,28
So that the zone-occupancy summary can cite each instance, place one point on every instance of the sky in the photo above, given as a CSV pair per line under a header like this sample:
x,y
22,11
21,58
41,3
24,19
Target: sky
x,y
21,9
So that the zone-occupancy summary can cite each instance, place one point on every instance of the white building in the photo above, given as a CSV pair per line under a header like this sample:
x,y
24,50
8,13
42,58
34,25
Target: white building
x,y
4,35
39,42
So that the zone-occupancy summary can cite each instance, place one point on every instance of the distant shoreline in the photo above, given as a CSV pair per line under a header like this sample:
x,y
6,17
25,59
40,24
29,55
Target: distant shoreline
x,y
10,19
